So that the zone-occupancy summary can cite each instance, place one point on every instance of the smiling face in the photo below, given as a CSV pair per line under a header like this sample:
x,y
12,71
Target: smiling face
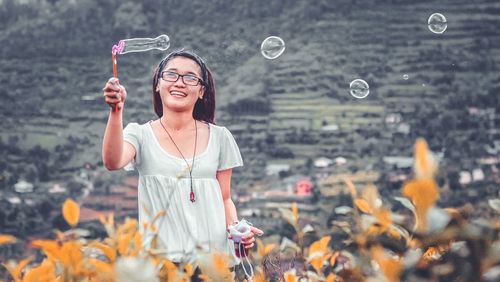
x,y
178,96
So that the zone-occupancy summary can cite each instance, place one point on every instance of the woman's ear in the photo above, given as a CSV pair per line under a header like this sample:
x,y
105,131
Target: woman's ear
x,y
202,91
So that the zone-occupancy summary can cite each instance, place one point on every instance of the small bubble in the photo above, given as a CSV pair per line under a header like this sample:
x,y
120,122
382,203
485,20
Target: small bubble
x,y
437,23
405,76
272,47
359,88
423,84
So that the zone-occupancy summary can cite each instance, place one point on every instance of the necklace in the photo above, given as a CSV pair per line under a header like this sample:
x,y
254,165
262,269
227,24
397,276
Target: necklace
x,y
191,195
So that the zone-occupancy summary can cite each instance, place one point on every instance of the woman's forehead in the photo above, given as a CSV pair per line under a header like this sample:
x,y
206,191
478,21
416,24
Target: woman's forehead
x,y
183,64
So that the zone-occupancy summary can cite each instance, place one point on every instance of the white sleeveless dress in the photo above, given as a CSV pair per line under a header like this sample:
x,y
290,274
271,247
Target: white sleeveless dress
x,y
187,229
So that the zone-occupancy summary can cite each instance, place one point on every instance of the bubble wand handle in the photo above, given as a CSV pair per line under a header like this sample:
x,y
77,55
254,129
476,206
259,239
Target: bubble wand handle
x,y
113,58
116,50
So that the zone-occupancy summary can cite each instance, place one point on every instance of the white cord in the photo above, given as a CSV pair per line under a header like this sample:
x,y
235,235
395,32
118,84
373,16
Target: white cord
x,y
249,276
237,231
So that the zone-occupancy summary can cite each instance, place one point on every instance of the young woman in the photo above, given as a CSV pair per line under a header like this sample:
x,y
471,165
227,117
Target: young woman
x,y
184,160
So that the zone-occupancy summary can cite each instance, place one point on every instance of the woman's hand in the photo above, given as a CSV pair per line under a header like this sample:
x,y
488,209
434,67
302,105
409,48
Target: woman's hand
x,y
249,240
114,94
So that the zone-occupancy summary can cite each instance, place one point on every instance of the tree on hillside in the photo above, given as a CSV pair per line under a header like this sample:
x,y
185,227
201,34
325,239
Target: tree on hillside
x,y
129,17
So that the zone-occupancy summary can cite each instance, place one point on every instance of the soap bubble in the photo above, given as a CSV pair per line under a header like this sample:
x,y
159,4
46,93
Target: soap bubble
x,y
405,76
272,47
437,23
359,88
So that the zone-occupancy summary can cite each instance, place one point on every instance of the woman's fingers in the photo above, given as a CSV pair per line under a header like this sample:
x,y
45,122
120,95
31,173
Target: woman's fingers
x,y
112,99
114,93
113,84
248,242
249,246
256,231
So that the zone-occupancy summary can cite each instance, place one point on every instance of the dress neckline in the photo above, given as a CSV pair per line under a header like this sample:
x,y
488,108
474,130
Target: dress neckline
x,y
157,142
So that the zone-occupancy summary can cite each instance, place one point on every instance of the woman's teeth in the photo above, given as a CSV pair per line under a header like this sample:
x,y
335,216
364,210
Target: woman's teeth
x,y
175,93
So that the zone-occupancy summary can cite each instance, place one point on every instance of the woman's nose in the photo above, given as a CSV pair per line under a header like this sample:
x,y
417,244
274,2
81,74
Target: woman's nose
x,y
180,82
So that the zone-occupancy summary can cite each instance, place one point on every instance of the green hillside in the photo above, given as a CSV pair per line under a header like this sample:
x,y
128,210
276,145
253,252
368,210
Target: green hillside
x,y
55,59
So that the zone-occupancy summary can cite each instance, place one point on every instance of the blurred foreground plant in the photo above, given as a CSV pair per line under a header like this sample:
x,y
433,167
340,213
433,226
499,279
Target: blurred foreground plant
x,y
433,244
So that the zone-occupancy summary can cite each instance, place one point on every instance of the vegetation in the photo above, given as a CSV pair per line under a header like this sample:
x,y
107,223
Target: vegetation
x,y
55,59
431,243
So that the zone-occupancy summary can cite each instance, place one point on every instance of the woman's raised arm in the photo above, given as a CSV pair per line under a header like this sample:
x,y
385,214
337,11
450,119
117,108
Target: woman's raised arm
x,y
116,153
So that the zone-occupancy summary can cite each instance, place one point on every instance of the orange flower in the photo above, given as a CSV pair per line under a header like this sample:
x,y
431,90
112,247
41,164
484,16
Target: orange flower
x,y
295,212
71,257
320,246
425,164
423,194
263,250
109,252
391,267
331,278
44,272
290,276
351,187
49,247
259,277
71,212
16,269
363,205
384,219
7,239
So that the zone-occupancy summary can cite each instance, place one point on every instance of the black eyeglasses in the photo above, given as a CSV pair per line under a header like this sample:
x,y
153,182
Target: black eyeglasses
x,y
188,79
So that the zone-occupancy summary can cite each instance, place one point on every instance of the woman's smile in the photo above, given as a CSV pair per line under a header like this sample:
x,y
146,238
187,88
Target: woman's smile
x,y
176,93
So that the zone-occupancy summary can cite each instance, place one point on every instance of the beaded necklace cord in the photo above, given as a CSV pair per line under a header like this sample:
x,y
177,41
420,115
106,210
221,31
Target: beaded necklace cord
x,y
191,194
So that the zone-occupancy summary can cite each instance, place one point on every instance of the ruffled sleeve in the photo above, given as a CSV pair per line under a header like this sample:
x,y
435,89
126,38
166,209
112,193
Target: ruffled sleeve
x,y
230,155
133,135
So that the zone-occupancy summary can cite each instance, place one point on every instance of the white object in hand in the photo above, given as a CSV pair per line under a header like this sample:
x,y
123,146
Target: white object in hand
x,y
239,230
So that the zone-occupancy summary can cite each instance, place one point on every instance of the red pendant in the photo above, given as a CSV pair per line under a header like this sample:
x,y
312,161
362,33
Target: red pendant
x,y
191,197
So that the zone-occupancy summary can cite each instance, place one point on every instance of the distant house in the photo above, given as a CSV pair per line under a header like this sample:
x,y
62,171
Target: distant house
x,y
340,161
465,177
275,169
322,162
399,161
304,187
23,186
330,127
298,185
393,118
57,189
14,200
403,128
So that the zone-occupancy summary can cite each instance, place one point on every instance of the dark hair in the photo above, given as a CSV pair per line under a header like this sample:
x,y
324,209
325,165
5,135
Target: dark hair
x,y
204,109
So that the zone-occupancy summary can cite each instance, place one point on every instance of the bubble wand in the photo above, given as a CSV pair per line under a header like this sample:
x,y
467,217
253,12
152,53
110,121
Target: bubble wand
x,y
125,46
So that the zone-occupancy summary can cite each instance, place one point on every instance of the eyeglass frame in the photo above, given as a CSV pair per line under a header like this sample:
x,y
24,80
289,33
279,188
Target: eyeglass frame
x,y
199,81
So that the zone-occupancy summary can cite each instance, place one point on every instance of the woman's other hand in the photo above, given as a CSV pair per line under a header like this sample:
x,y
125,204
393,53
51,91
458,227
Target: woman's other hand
x,y
114,94
248,241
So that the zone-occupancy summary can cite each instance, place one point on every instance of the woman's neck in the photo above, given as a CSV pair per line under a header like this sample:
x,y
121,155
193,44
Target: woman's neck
x,y
178,121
